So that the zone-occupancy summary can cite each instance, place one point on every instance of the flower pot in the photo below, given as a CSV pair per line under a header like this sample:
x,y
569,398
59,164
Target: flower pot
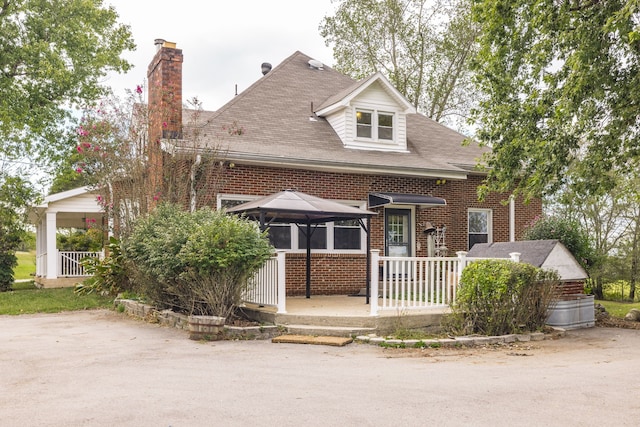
x,y
209,328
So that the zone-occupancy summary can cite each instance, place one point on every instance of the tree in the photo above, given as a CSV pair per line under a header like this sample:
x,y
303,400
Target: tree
x,y
559,82
609,220
53,55
112,155
566,231
15,194
423,48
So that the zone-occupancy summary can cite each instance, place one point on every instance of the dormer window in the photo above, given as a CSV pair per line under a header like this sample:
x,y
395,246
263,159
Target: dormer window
x,y
374,125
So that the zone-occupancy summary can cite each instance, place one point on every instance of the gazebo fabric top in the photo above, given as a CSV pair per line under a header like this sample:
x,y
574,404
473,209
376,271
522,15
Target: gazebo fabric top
x,y
297,207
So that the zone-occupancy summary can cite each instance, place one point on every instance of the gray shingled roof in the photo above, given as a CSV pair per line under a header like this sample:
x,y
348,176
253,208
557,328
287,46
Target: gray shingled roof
x,y
534,252
274,118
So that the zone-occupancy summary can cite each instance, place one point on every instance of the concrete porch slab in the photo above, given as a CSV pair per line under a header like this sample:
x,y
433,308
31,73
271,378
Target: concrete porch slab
x,y
338,315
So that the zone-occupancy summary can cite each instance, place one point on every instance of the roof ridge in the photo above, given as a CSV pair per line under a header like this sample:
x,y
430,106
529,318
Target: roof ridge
x,y
257,83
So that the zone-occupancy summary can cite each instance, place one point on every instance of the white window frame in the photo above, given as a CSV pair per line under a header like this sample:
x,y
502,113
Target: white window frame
x,y
489,214
294,228
375,125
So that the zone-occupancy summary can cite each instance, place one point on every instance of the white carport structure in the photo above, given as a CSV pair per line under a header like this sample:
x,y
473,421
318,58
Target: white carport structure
x,y
77,208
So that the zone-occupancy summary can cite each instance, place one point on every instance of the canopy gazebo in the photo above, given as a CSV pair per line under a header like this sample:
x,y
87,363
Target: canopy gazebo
x,y
290,206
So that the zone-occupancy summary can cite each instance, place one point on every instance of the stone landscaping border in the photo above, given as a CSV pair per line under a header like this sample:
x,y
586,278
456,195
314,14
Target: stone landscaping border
x,y
181,321
263,332
466,341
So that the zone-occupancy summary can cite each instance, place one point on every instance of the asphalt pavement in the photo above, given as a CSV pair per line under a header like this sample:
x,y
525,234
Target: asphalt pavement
x,y
102,368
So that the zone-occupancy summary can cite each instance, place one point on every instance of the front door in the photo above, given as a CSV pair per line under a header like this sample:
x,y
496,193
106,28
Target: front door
x,y
397,225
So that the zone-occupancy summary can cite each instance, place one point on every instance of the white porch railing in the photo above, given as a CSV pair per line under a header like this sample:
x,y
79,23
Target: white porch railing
x,y
69,262
267,287
415,282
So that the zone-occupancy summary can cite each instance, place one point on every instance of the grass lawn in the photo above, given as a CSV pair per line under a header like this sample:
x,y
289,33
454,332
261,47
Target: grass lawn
x,y
618,309
26,298
26,268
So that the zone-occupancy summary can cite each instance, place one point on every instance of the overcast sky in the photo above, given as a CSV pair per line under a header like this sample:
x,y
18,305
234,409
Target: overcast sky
x,y
223,42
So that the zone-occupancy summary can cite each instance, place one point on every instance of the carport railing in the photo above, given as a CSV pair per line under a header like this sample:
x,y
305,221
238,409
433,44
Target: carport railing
x,y
70,262
267,286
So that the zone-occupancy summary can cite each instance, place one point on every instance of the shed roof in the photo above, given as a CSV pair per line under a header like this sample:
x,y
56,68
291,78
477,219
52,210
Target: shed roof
x,y
551,254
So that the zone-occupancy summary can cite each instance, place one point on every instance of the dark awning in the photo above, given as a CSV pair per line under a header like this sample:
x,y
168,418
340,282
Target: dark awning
x,y
381,199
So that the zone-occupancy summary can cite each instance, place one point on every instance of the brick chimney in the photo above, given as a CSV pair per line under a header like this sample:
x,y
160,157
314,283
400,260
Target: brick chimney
x,y
164,76
165,91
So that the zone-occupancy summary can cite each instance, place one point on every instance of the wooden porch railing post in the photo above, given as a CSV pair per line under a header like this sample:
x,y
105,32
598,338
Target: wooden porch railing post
x,y
282,283
515,256
373,302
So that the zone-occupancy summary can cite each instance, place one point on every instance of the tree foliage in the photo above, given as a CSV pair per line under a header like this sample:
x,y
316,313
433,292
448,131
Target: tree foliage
x,y
53,54
15,195
560,83
611,223
422,47
112,157
567,232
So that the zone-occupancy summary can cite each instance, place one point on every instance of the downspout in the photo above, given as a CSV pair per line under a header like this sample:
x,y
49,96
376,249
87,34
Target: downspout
x,y
512,219
194,198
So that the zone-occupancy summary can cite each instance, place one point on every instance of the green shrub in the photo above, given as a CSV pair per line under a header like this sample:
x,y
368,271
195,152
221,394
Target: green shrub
x,y
108,276
197,263
220,256
498,297
152,249
81,240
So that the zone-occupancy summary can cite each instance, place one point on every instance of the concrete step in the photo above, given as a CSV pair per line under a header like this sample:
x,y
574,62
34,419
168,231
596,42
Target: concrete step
x,y
323,320
331,331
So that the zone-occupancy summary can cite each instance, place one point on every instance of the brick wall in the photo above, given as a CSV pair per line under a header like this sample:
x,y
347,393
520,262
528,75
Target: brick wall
x,y
344,274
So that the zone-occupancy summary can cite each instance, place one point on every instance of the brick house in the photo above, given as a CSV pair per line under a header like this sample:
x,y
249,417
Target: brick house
x,y
305,126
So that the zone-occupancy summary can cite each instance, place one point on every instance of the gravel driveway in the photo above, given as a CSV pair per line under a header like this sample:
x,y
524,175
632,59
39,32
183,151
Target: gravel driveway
x,y
101,368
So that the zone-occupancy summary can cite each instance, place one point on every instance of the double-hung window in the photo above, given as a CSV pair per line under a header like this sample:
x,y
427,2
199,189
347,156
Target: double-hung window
x,y
480,226
374,125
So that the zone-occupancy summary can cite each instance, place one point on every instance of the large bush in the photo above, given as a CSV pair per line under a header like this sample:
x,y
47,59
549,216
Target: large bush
x,y
220,256
197,263
498,297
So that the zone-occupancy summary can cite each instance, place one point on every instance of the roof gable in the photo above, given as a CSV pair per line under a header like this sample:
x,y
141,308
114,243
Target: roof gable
x,y
344,98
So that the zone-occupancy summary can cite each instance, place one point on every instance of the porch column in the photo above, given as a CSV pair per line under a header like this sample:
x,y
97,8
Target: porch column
x,y
50,241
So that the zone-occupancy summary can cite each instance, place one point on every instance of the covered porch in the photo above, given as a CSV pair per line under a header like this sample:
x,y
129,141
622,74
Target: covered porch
x,y
77,209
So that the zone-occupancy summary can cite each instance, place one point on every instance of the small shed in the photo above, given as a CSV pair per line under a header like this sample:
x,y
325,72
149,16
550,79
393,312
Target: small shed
x,y
574,309
547,254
